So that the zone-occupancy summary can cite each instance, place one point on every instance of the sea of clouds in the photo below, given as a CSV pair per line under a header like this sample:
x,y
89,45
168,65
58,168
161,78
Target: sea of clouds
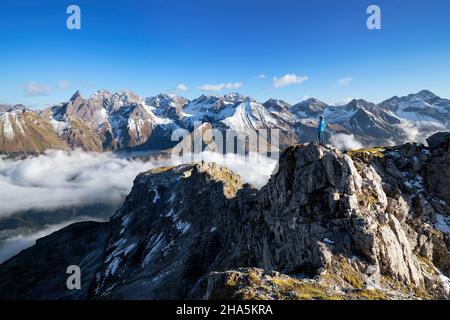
x,y
344,141
62,179
59,179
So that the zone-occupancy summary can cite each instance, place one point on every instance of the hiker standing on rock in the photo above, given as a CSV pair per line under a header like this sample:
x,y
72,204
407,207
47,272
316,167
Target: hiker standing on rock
x,y
321,130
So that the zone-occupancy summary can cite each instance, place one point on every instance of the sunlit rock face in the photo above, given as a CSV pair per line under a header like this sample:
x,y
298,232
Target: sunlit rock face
x,y
365,224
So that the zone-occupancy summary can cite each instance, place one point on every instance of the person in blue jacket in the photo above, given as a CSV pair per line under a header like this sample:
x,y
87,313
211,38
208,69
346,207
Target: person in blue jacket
x,y
321,130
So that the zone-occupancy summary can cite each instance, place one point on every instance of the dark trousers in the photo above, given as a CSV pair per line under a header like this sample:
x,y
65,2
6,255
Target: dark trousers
x,y
321,139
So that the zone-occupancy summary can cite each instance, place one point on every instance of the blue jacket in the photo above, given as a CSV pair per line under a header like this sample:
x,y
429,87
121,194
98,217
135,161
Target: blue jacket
x,y
321,126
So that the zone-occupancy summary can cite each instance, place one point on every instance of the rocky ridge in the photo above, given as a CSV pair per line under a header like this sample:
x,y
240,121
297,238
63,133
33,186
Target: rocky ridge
x,y
368,224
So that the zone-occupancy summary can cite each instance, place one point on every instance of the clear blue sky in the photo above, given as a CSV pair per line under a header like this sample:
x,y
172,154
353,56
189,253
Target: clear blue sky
x,y
153,46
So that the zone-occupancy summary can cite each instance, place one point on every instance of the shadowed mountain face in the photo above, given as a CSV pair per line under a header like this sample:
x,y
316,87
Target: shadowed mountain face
x,y
45,264
21,229
125,121
367,224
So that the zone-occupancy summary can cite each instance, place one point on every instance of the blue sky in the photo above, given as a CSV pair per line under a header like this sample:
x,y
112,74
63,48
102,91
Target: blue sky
x,y
154,46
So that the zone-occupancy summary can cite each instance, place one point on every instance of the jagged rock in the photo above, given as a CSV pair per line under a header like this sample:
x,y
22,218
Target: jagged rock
x,y
438,168
439,140
166,229
350,222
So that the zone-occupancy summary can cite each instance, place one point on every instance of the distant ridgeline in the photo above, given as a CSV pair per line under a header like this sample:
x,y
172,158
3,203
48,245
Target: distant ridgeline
x,y
125,122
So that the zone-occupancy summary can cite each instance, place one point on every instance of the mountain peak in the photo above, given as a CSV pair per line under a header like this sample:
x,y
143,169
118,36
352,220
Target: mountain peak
x,y
76,95
358,103
234,97
102,93
425,95
313,100
18,108
277,101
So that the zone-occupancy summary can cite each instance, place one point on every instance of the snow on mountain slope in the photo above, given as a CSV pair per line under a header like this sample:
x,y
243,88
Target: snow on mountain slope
x,y
167,106
309,108
424,109
212,108
120,120
369,123
123,120
22,130
279,108
250,115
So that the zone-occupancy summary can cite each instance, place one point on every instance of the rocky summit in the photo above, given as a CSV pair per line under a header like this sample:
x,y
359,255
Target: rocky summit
x,y
366,224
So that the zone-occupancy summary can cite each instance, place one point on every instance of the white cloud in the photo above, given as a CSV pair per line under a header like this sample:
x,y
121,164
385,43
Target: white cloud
x,y
62,84
254,169
344,141
261,76
411,132
342,102
344,81
233,86
220,87
60,179
287,80
33,89
182,87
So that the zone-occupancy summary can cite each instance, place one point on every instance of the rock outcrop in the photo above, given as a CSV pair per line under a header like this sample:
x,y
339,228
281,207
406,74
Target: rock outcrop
x,y
436,175
367,224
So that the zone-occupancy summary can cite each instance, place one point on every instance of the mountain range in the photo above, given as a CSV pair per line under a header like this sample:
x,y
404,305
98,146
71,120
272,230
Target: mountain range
x,y
124,121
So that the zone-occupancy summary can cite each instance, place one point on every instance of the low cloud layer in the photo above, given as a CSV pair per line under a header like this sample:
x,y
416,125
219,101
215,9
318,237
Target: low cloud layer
x,y
254,169
344,141
61,179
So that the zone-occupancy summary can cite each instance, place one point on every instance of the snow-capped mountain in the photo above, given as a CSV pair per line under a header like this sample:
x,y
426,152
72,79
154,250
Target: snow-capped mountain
x,y
365,119
280,108
368,123
22,130
125,121
167,106
108,121
211,108
424,110
249,115
309,108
